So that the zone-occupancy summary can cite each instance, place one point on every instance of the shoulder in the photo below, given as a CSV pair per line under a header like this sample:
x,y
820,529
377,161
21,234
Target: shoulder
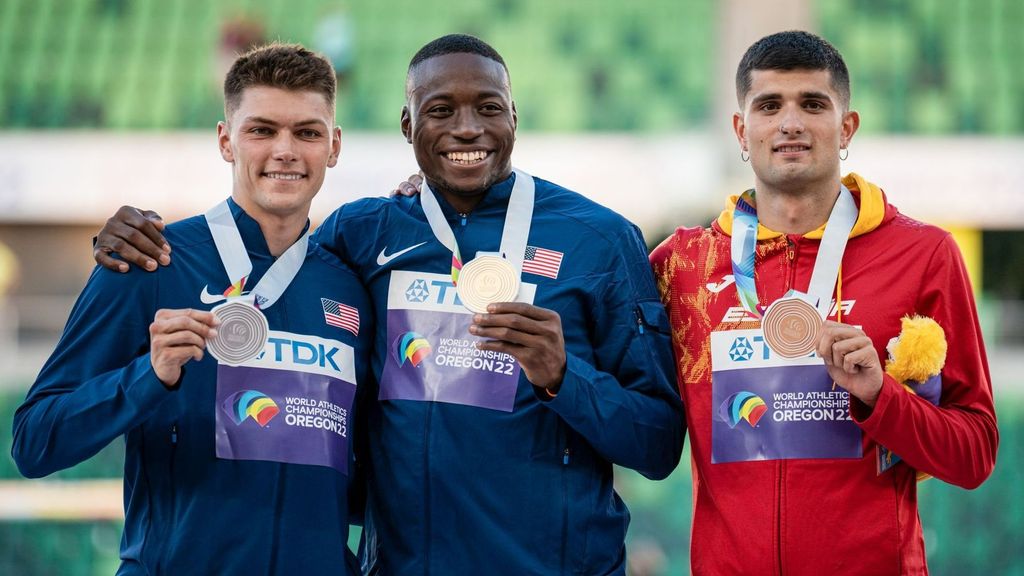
x,y
571,208
911,237
326,262
685,242
187,233
372,209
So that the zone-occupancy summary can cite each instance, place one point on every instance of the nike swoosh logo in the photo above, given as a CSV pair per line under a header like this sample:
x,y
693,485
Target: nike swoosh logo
x,y
383,258
716,288
206,298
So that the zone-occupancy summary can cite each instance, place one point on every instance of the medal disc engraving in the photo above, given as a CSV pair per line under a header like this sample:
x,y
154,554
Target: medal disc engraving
x,y
791,327
241,335
485,280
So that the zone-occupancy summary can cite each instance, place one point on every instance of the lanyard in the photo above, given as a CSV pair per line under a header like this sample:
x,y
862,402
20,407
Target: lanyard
x,y
826,265
514,233
236,260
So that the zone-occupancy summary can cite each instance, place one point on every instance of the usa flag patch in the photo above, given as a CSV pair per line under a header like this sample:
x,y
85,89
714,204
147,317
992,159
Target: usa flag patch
x,y
340,315
542,262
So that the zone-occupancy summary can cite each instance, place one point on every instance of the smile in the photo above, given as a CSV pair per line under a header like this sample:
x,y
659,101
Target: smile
x,y
467,158
284,175
792,148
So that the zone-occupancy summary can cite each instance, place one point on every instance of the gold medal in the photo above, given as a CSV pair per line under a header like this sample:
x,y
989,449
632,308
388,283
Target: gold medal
x,y
486,280
791,327
241,335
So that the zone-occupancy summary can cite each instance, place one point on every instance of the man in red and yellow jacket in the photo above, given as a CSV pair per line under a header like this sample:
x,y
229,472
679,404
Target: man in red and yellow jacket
x,y
786,416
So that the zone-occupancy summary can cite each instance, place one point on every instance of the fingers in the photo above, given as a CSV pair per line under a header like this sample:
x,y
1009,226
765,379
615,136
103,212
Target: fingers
x,y
136,237
109,262
518,323
410,187
188,321
846,347
177,336
522,309
157,221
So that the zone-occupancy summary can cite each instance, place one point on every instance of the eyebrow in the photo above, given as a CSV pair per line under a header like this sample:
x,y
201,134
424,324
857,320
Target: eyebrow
x,y
809,95
262,120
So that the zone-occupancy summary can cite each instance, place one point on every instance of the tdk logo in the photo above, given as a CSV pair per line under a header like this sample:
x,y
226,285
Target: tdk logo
x,y
741,350
417,291
304,353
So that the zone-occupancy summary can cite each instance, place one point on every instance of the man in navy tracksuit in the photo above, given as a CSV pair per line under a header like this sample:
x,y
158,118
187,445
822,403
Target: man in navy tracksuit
x,y
473,470
239,468
492,444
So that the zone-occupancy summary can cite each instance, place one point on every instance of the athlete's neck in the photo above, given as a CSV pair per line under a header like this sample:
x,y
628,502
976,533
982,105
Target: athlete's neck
x,y
465,201
795,211
280,235
462,202
279,230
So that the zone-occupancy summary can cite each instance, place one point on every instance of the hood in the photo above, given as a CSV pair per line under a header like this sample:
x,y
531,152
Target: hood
x,y
872,211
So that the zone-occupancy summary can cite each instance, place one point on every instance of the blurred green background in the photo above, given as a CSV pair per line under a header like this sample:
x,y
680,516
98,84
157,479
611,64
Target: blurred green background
x,y
948,69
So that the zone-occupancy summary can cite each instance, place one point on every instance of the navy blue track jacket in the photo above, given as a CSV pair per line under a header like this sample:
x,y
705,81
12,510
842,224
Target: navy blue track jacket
x,y
187,511
460,489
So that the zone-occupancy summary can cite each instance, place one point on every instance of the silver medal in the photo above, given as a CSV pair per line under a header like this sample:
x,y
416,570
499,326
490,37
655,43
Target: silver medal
x,y
241,335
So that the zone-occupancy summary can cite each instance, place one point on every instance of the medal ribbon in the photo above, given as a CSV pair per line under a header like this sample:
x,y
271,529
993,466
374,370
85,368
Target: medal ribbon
x,y
514,233
236,260
826,265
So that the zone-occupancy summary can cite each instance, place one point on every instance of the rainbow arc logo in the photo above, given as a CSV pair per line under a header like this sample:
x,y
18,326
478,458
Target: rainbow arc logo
x,y
250,404
743,405
411,347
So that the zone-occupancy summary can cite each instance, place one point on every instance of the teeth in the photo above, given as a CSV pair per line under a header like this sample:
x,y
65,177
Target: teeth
x,y
792,148
280,176
467,157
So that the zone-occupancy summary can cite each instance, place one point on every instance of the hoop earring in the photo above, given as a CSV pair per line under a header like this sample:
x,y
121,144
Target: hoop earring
x,y
744,155
844,156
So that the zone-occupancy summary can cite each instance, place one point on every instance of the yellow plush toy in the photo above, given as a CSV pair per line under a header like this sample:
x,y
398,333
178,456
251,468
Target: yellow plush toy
x,y
916,358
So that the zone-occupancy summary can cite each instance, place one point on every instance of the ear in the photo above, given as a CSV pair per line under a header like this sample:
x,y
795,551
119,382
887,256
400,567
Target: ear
x,y
224,142
515,117
851,122
332,160
406,124
740,128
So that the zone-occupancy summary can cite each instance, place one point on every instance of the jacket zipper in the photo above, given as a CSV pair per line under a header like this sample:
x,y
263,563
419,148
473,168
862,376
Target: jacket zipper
x,y
566,458
781,470
791,250
174,497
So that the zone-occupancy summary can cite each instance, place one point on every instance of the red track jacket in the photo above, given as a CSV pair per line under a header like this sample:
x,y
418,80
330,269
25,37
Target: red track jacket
x,y
831,516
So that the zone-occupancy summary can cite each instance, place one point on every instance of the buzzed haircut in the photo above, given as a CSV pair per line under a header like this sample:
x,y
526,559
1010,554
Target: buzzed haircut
x,y
285,66
793,50
457,44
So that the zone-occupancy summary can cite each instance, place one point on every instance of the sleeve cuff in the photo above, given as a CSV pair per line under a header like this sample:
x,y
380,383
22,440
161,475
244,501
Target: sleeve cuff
x,y
869,418
569,386
143,387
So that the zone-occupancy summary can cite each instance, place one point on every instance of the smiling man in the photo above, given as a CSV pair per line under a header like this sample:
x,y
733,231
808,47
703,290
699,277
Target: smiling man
x,y
782,310
237,464
492,444
491,448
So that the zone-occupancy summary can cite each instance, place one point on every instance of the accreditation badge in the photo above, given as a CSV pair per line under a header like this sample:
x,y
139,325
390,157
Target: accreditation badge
x,y
431,355
766,407
292,403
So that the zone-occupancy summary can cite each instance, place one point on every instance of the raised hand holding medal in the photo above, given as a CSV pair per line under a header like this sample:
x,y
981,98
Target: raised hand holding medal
x,y
489,286
792,325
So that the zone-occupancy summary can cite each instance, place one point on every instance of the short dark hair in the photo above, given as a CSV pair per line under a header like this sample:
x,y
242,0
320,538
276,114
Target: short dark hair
x,y
287,66
457,44
793,50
